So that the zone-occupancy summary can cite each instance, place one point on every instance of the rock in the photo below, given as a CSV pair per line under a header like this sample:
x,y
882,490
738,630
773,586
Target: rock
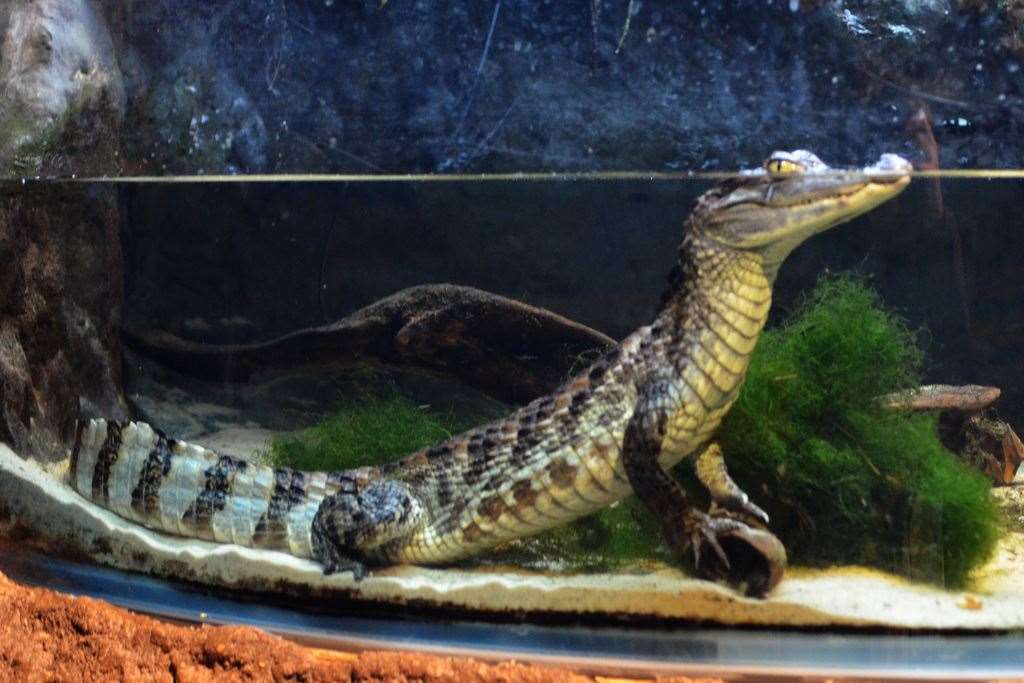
x,y
420,86
61,283
984,441
1011,500
204,122
63,93
60,314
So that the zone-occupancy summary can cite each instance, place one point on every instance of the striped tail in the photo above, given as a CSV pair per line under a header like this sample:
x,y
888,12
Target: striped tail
x,y
138,473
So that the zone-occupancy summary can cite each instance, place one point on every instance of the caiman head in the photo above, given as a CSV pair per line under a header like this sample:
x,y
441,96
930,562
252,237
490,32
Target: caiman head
x,y
795,195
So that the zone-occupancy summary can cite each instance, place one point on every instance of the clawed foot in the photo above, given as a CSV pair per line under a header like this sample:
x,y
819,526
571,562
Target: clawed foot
x,y
358,569
702,528
752,559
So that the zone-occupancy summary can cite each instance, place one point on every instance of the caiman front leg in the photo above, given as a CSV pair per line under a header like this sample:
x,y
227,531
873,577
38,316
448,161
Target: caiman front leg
x,y
752,558
711,471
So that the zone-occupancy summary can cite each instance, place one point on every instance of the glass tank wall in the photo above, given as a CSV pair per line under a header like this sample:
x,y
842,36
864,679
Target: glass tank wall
x,y
248,242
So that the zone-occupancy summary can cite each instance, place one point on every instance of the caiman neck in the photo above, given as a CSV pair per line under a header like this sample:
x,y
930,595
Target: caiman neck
x,y
712,279
704,336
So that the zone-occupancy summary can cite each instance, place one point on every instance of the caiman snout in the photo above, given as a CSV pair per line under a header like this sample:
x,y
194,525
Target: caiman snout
x,y
890,166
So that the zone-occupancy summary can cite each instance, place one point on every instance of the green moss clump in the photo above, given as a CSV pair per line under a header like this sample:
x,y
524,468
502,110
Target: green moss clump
x,y
380,427
843,479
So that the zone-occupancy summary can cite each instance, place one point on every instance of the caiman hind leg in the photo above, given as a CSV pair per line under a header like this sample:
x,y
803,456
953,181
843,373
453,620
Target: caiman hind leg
x,y
743,555
353,525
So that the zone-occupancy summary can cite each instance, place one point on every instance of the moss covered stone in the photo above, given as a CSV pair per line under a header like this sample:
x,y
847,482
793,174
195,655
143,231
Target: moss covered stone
x,y
844,480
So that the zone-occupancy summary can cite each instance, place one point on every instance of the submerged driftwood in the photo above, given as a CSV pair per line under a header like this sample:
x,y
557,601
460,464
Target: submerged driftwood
x,y
509,350
967,427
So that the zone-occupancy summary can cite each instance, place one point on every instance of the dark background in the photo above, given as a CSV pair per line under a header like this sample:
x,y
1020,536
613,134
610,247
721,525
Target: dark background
x,y
437,86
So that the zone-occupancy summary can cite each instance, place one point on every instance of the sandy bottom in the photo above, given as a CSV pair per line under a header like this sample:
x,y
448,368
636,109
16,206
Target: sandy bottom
x,y
46,636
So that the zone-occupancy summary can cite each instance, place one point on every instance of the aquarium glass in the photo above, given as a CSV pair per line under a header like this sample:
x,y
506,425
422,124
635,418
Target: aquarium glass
x,y
255,253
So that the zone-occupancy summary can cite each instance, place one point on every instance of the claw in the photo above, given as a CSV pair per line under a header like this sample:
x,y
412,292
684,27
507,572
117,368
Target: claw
x,y
754,511
705,528
744,505
710,539
751,558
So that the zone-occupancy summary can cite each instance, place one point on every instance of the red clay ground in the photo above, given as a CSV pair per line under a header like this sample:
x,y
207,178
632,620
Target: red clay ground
x,y
47,636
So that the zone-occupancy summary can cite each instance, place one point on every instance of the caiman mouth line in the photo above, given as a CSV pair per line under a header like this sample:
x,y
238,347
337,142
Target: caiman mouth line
x,y
837,194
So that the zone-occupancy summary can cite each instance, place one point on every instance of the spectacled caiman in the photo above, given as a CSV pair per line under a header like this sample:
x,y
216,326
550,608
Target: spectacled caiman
x,y
615,428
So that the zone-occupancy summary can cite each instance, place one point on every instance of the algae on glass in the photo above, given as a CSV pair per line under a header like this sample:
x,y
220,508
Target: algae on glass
x,y
843,479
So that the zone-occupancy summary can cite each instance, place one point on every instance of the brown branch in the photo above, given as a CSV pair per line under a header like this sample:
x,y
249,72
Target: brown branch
x,y
968,398
502,347
985,442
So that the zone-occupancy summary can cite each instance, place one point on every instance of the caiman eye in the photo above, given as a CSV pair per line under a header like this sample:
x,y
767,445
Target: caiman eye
x,y
779,166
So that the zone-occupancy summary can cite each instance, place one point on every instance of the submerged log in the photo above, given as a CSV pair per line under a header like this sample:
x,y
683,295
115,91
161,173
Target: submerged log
x,y
965,427
509,350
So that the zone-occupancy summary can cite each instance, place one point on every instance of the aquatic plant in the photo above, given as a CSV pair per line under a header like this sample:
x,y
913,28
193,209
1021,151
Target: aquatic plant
x,y
376,427
843,479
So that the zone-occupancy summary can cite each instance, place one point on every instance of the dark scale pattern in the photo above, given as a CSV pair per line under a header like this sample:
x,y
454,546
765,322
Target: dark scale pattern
x,y
524,493
492,506
472,533
438,452
341,480
105,460
289,491
579,403
562,473
597,371
444,491
213,497
146,494
494,482
77,449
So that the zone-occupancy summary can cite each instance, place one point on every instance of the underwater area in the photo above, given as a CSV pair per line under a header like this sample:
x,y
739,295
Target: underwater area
x,y
632,337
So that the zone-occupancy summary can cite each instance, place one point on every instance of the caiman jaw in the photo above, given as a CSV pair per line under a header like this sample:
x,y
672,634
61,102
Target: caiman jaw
x,y
793,197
